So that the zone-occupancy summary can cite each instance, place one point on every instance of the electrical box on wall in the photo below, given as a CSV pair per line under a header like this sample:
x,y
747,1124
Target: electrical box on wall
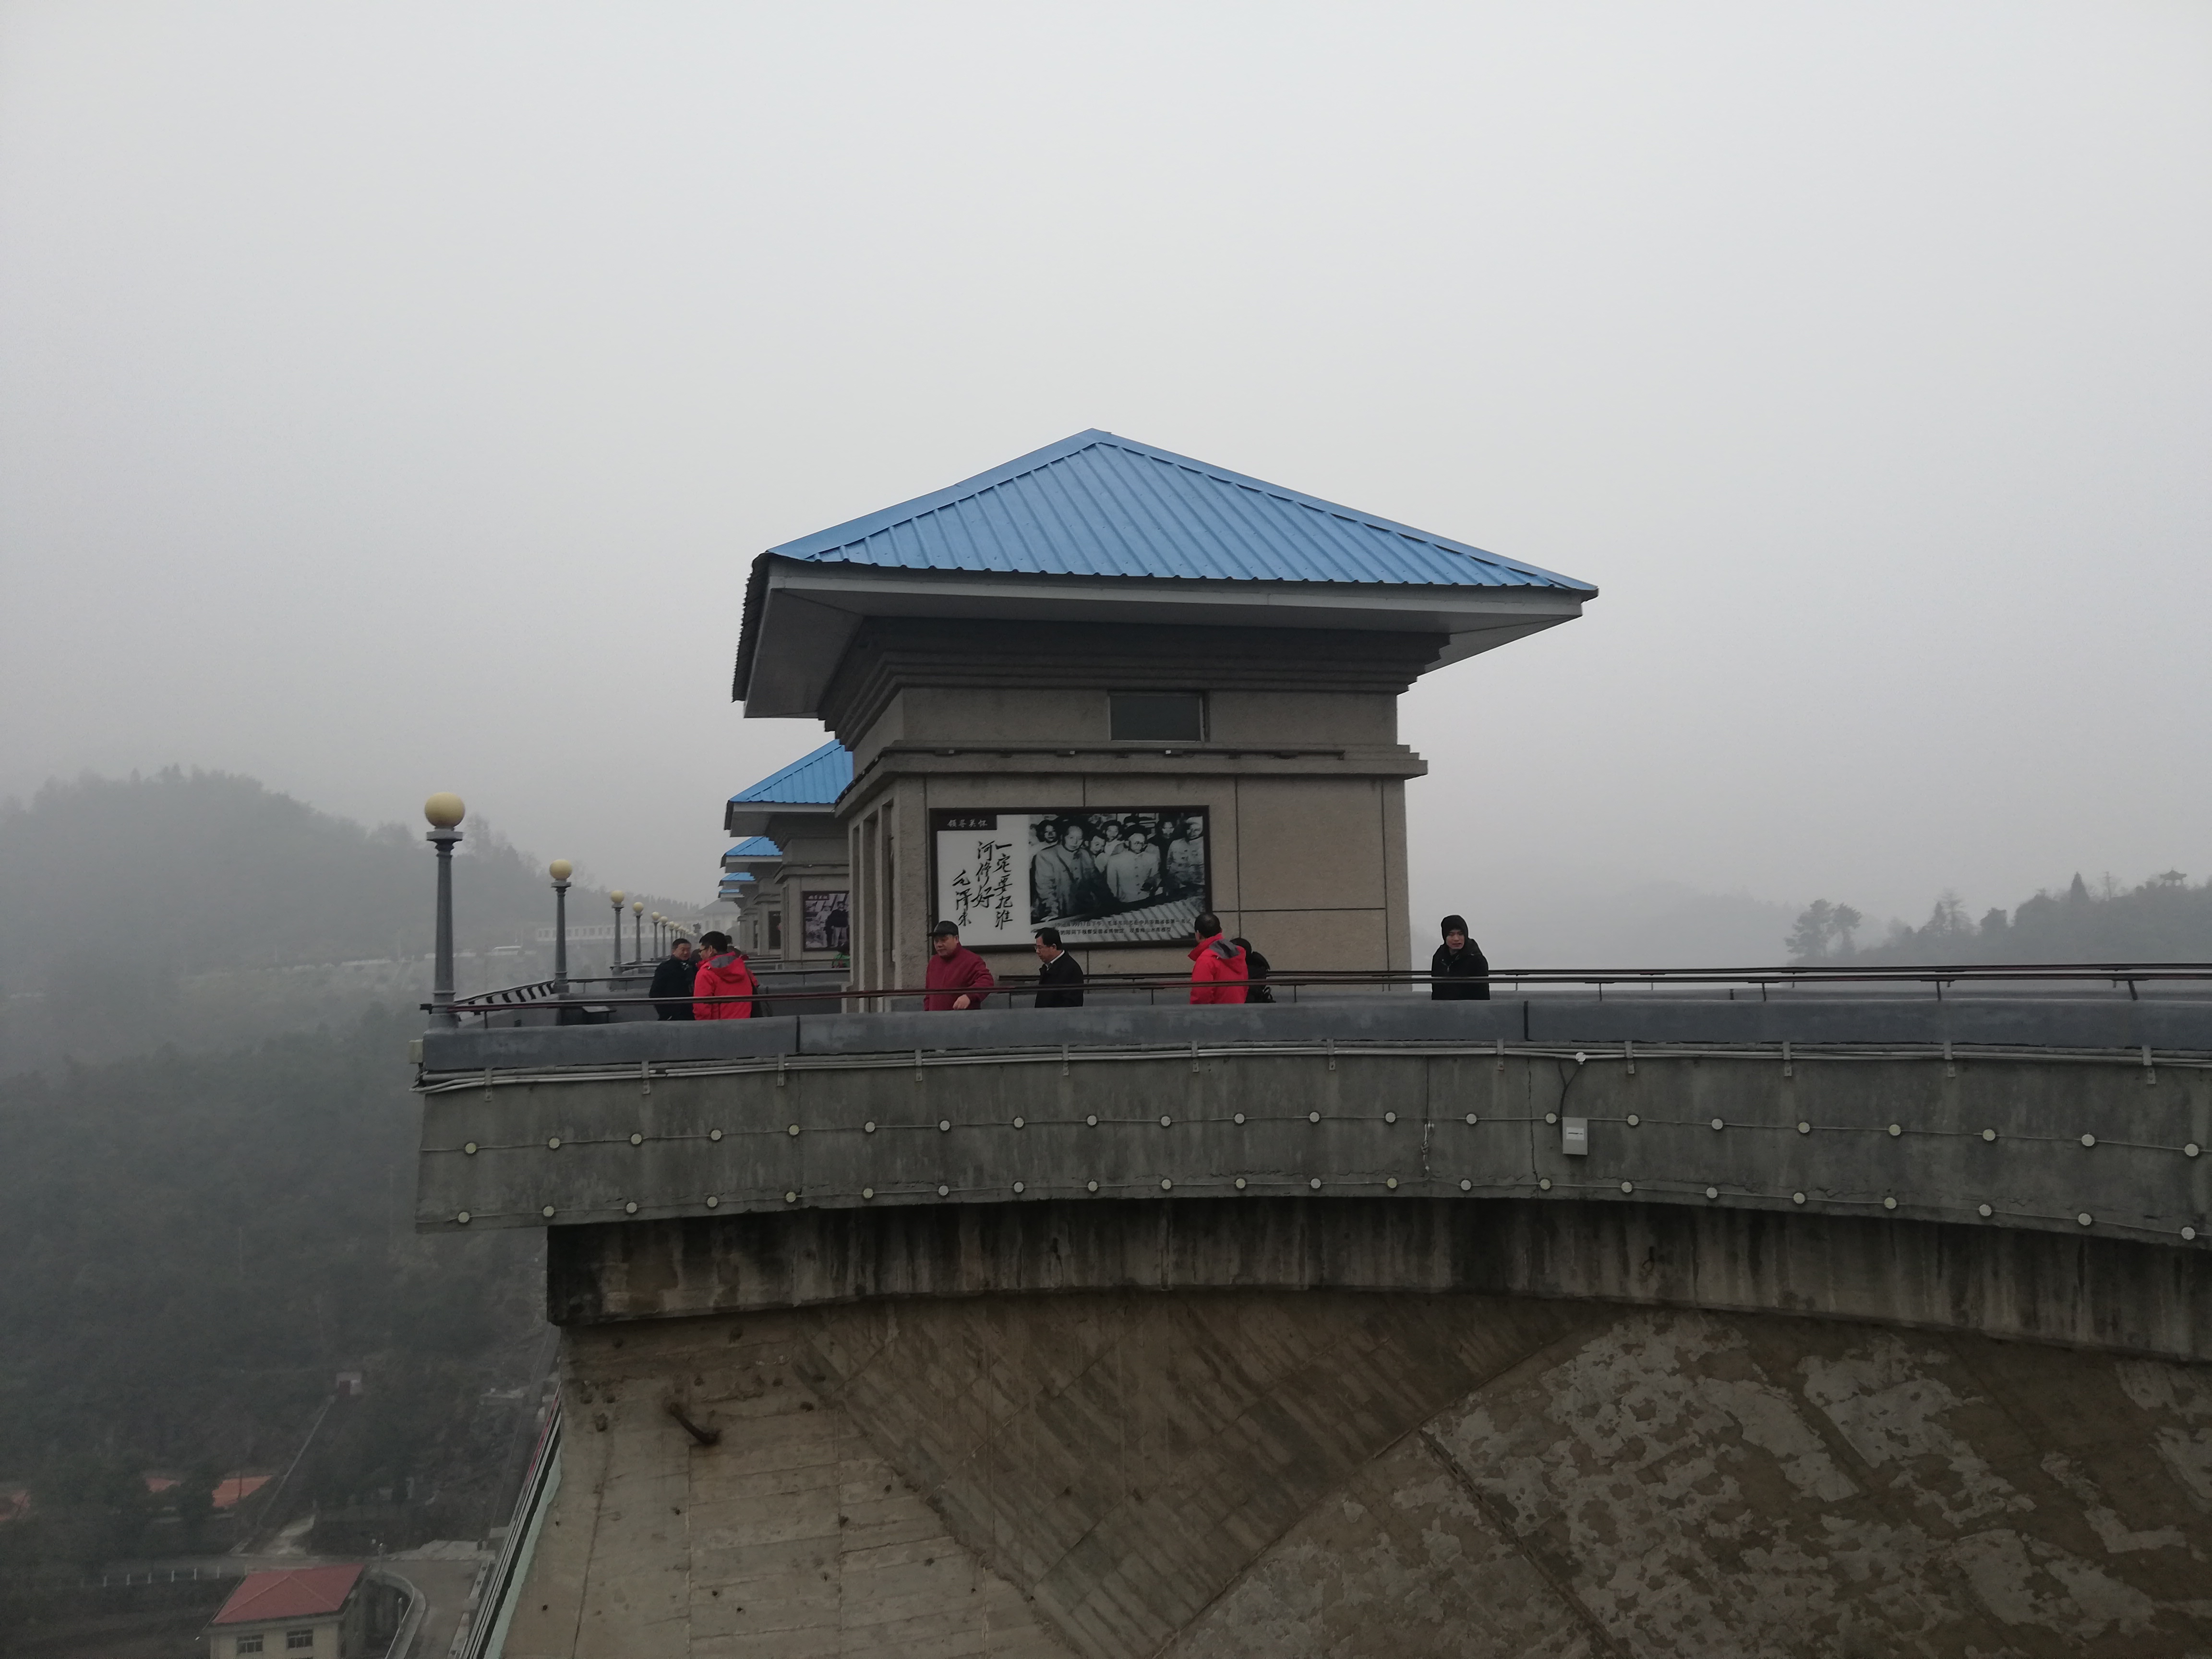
x,y
1574,1136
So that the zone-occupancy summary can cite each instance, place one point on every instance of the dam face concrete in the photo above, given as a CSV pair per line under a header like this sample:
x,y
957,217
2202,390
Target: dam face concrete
x,y
1322,1473
1856,1329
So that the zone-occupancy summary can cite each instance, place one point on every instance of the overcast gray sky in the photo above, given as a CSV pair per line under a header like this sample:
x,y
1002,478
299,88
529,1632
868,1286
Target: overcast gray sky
x,y
391,397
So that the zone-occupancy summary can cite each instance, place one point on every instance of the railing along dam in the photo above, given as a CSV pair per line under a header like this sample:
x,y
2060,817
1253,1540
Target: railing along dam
x,y
2020,1164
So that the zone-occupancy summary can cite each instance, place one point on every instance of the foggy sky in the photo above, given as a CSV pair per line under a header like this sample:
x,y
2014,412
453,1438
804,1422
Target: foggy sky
x,y
393,398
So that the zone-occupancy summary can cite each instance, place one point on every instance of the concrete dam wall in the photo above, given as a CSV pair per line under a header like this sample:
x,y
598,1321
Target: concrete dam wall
x,y
1324,1473
1523,1329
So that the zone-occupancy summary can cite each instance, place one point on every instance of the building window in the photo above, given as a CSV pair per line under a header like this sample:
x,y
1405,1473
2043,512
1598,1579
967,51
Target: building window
x,y
299,1638
776,930
249,1643
1159,716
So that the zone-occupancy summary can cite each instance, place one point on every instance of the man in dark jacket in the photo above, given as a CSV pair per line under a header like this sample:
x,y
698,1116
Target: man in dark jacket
x,y
671,983
1060,979
1257,969
1460,971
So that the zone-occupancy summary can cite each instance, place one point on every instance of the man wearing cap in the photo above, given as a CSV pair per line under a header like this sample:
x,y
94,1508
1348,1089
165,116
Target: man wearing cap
x,y
958,977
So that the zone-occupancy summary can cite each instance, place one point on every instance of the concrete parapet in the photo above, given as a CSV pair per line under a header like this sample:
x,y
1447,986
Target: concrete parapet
x,y
1911,1114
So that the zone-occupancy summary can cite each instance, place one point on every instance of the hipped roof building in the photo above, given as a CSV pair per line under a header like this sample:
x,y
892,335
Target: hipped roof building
x,y
1105,639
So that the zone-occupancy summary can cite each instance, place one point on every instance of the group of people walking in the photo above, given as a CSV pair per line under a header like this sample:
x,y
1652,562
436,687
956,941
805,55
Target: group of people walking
x,y
1222,969
716,983
713,983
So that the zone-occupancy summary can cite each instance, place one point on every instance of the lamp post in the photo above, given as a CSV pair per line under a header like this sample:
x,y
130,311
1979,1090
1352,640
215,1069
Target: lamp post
x,y
444,812
560,870
636,928
616,899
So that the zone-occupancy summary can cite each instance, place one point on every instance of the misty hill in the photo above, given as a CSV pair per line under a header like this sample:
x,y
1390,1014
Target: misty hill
x,y
194,1248
2164,919
178,908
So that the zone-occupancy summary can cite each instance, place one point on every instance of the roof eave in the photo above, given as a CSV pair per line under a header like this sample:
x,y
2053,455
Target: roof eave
x,y
819,607
749,627
752,817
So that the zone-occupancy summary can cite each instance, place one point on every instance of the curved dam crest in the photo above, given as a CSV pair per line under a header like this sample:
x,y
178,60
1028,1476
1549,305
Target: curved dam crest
x,y
857,1358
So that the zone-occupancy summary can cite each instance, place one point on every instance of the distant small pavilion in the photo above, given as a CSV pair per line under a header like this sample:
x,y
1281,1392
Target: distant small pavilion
x,y
790,873
1104,687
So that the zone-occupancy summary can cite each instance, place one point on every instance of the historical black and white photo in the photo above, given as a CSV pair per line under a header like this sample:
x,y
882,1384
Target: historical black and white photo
x,y
826,922
1101,876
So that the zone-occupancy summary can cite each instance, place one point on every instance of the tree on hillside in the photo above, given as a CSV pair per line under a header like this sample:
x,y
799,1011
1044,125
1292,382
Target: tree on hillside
x,y
1823,931
197,1246
2164,919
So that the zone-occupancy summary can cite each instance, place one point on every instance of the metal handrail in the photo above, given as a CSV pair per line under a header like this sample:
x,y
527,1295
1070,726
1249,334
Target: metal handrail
x,y
1938,975
507,997
497,1588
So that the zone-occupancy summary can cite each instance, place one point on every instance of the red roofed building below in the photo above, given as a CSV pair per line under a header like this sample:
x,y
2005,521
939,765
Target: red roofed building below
x,y
303,1612
235,1489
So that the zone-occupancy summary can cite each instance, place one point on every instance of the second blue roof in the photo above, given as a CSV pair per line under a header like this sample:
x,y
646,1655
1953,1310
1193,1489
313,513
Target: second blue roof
x,y
815,779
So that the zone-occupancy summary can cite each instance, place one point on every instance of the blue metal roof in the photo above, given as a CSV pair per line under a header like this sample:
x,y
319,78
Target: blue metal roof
x,y
815,779
755,847
1098,505
733,880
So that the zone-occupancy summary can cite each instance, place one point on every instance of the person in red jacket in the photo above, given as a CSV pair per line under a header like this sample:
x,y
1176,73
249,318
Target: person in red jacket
x,y
958,976
722,973
1217,969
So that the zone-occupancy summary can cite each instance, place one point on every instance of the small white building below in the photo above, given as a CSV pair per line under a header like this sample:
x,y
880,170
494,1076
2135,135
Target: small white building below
x,y
302,1613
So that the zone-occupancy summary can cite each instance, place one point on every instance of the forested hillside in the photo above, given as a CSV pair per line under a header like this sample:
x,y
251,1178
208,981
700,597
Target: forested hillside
x,y
192,1248
2166,919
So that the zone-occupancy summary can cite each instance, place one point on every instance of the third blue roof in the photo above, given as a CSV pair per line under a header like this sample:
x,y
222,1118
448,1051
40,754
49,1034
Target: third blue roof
x,y
1098,505
815,779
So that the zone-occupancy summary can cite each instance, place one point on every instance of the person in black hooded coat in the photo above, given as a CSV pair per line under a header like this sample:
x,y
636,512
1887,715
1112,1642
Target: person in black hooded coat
x,y
671,990
1460,971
